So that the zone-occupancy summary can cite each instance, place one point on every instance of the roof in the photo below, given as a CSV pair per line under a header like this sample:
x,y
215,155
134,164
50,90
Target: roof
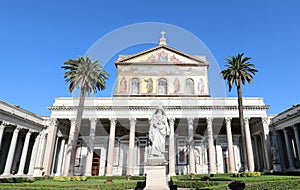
x,y
198,60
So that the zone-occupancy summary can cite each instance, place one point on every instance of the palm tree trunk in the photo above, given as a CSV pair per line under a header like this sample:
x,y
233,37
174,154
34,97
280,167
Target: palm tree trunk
x,y
242,124
79,114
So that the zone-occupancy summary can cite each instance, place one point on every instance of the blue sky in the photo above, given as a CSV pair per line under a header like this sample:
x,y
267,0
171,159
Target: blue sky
x,y
36,37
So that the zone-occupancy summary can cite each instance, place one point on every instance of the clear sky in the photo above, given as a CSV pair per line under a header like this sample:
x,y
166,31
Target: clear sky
x,y
36,37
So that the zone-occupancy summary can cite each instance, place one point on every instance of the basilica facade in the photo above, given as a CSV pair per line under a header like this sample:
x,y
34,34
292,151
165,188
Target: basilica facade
x,y
204,135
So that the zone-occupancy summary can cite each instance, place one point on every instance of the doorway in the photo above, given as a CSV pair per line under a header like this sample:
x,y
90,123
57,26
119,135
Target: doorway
x,y
96,163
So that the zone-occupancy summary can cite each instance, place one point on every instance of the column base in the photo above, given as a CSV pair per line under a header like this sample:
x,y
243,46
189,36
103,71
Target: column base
x,y
6,174
58,174
20,174
277,167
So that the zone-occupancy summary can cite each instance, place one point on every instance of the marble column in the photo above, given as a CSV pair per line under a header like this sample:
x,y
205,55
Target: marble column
x,y
211,147
64,157
24,153
296,132
131,157
230,146
249,145
289,149
2,127
40,153
60,157
90,151
171,148
69,167
11,152
266,142
34,155
191,145
111,146
52,129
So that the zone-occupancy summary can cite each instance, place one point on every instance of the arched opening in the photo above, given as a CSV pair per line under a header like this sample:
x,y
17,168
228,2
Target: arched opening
x,y
162,86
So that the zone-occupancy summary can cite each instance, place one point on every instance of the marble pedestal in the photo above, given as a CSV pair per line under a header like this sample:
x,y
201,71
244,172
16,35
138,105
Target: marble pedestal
x,y
156,178
277,167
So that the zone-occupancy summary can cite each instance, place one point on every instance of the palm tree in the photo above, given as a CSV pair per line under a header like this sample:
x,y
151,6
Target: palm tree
x,y
89,77
238,70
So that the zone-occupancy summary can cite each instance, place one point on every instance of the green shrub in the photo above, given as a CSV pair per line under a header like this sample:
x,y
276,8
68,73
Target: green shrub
x,y
247,174
59,178
137,177
14,180
76,178
83,178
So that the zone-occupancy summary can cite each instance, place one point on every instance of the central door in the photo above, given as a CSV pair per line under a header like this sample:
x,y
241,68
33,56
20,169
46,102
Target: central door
x,y
95,164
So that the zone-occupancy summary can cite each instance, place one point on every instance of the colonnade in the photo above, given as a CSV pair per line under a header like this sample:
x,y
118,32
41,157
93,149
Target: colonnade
x,y
19,157
287,142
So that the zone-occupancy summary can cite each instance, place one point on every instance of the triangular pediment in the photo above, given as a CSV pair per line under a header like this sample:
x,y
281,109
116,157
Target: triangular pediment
x,y
162,55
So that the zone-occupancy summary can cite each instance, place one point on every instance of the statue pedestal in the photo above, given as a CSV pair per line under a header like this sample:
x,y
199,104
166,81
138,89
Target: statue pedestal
x,y
156,177
277,167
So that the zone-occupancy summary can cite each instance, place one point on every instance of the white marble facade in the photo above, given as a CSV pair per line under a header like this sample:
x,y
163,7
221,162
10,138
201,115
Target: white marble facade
x,y
113,139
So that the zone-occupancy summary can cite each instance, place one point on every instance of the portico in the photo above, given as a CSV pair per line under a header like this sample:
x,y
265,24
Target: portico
x,y
207,144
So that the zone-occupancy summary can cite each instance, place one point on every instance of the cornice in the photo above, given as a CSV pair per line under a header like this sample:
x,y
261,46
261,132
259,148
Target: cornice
x,y
168,108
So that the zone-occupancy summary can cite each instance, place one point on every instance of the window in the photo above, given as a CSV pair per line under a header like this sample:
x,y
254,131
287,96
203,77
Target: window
x,y
189,83
135,86
162,86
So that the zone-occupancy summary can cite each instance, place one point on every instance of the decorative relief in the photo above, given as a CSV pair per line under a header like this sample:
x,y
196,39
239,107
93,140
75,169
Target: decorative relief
x,y
176,86
123,86
149,85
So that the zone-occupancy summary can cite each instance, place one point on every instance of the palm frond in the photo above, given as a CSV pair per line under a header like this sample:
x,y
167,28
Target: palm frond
x,y
238,70
85,74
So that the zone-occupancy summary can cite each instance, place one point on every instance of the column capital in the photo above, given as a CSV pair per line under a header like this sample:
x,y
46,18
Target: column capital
x,y
265,120
228,120
246,120
93,121
4,124
190,121
171,120
113,121
53,122
132,121
295,127
209,120
30,131
18,128
73,121
285,130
